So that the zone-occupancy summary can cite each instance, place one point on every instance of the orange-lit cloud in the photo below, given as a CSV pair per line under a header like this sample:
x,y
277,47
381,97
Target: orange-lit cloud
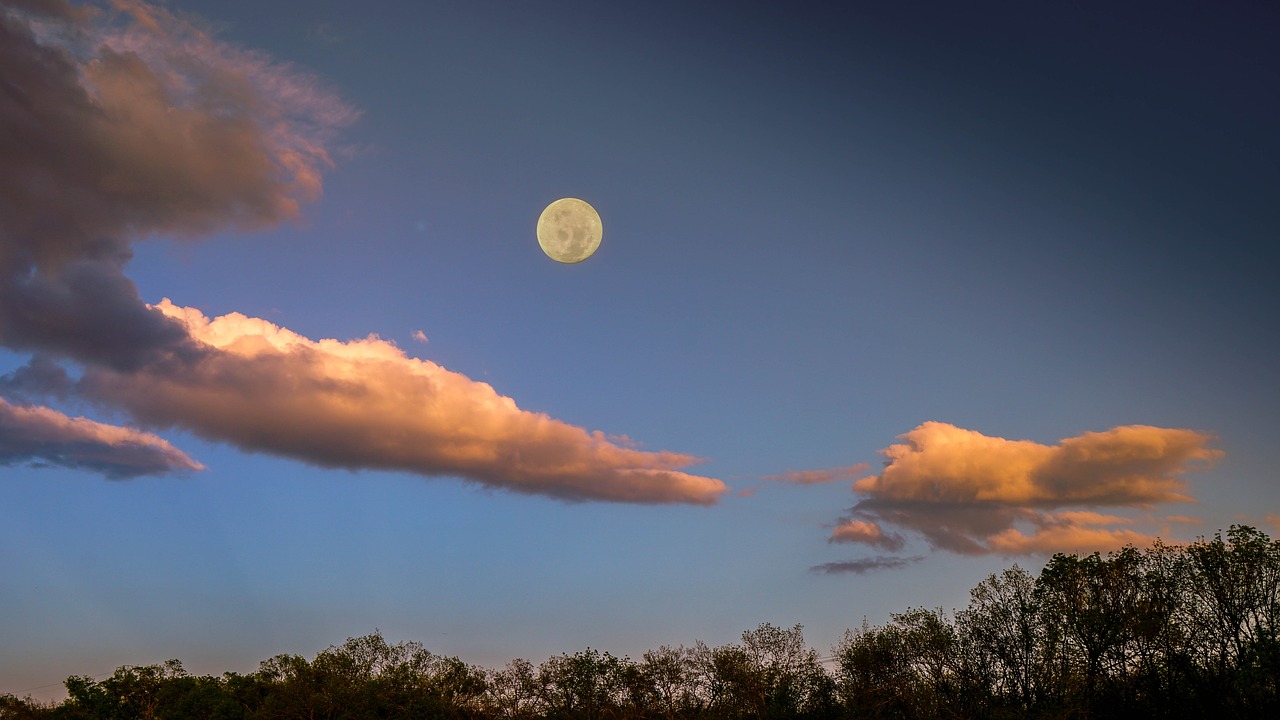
x,y
42,435
971,493
1065,538
1131,465
866,532
365,404
815,477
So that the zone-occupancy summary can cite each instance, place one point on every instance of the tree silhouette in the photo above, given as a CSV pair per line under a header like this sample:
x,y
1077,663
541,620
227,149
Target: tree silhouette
x,y
1164,632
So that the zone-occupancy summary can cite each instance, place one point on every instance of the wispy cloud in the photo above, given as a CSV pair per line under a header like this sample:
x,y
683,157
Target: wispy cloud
x,y
970,493
815,477
131,121
43,435
866,565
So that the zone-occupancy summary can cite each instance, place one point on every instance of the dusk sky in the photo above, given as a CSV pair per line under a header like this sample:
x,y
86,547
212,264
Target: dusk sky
x,y
889,297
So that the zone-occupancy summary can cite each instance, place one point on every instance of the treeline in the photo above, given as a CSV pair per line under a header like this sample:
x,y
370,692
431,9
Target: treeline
x,y
1165,632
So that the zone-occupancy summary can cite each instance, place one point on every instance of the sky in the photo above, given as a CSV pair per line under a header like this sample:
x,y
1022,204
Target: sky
x,y
889,297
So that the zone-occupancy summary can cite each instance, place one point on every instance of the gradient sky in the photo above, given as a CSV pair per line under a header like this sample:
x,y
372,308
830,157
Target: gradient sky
x,y
889,297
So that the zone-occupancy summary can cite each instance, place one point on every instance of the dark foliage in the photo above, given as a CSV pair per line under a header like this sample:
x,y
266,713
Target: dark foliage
x,y
1167,632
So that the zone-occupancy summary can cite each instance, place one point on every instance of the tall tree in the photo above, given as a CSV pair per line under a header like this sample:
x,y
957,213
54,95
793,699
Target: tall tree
x,y
1003,627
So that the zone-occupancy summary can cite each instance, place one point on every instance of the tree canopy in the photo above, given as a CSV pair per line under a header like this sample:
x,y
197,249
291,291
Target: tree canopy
x,y
1165,632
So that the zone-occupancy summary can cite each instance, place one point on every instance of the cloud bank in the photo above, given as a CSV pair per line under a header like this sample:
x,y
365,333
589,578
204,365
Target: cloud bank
x,y
123,122
970,493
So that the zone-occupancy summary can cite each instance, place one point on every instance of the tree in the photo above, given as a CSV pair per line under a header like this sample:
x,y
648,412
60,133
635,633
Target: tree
x,y
791,682
672,678
1002,628
1093,605
294,690
16,708
584,686
875,673
514,691
1234,595
131,693
931,646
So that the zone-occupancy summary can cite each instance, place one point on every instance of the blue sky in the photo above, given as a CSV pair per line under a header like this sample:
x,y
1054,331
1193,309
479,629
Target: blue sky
x,y
823,230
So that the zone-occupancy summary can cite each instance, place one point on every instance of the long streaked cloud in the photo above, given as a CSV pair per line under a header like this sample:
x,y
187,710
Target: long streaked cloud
x,y
366,404
817,477
971,493
42,435
126,121
866,565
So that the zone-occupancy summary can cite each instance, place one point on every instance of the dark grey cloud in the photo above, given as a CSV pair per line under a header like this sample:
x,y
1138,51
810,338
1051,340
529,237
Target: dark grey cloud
x,y
112,132
40,377
866,565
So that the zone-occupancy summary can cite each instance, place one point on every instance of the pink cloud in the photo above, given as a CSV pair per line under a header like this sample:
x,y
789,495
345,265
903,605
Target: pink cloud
x,y
43,435
365,404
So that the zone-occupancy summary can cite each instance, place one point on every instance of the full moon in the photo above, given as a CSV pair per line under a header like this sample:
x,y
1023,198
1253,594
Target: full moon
x,y
569,230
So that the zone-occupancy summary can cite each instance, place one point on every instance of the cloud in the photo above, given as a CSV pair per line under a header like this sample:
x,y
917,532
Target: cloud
x,y
115,131
815,477
41,376
971,493
867,532
365,404
420,336
123,123
35,434
866,565
1065,537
